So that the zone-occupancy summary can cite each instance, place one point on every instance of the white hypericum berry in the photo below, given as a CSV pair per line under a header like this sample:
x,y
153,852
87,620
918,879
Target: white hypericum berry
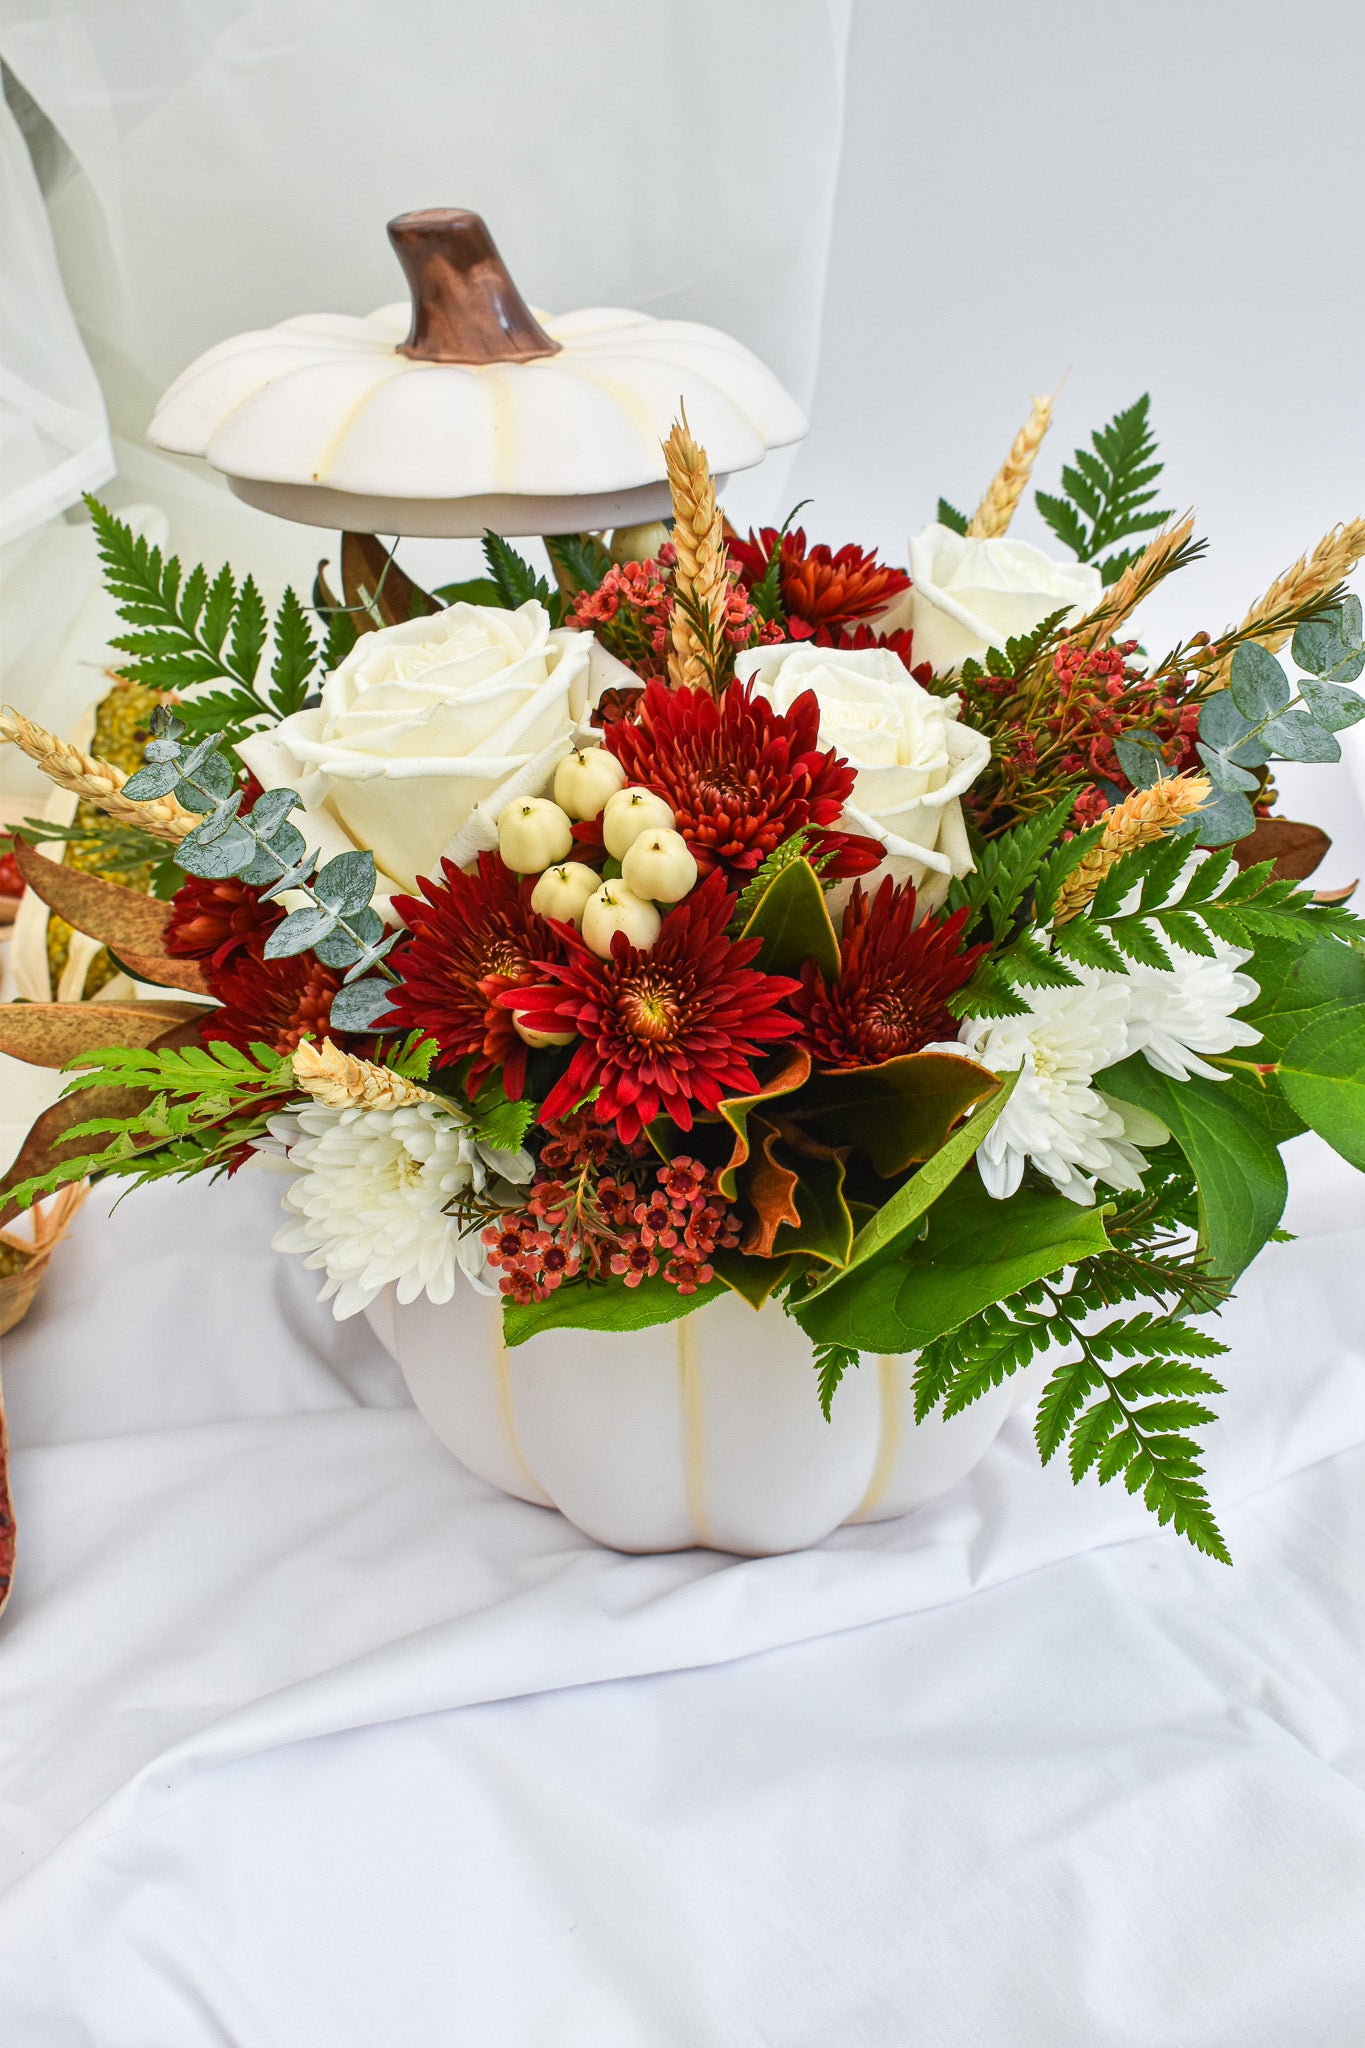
x,y
629,813
563,890
615,908
533,833
660,866
585,779
537,1040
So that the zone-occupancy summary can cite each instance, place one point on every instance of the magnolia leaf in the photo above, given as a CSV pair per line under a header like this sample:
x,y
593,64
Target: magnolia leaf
x,y
1293,850
898,1217
769,1188
793,1070
1322,1073
898,1113
122,918
53,1034
754,1280
974,1251
163,970
581,1305
794,924
823,1228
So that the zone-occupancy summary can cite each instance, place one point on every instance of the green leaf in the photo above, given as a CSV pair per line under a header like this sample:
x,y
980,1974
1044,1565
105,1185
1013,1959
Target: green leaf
x,y
1241,1177
1332,707
949,516
794,925
584,1305
898,1113
1322,1073
754,1280
579,556
517,582
832,1361
473,590
974,1251
296,657
1108,490
498,1122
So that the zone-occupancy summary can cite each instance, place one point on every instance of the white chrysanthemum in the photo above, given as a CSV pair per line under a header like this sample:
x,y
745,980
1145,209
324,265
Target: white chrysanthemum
x,y
1055,1117
1175,1015
371,1199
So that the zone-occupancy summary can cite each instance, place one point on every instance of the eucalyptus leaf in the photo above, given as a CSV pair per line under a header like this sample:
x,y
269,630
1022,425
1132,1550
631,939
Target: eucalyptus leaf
x,y
269,811
337,949
361,1005
1332,706
300,930
157,779
1224,821
1298,737
1224,774
1257,684
346,883
213,860
1141,758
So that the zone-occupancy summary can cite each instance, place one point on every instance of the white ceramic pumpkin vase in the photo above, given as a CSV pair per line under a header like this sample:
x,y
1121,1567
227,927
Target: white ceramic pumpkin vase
x,y
705,1431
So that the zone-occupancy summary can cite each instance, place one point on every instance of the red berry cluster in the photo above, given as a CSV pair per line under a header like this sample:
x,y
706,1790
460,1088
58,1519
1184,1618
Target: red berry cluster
x,y
631,609
616,1225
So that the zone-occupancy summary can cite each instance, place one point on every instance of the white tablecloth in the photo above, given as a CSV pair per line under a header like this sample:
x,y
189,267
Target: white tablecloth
x,y
312,1740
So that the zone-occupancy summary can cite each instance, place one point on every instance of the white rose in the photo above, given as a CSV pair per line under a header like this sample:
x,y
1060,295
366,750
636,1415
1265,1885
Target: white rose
x,y
426,730
968,595
913,756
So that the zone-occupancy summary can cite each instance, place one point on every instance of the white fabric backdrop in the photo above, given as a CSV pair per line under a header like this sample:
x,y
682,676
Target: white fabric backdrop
x,y
305,1735
309,1736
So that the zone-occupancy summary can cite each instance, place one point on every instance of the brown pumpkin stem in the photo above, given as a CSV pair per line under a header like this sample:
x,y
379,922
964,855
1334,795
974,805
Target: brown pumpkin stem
x,y
465,307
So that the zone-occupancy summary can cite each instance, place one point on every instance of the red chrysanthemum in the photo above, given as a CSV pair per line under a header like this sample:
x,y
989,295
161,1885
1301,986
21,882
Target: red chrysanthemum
x,y
894,981
821,591
741,777
473,936
663,1033
214,921
225,925
270,1002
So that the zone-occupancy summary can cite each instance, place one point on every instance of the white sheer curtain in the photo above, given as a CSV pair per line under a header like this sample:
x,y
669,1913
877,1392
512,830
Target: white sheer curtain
x,y
214,165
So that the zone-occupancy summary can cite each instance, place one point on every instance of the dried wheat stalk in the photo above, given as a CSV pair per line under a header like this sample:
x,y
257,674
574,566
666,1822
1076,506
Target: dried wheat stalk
x,y
697,627
1312,576
1138,580
98,782
1144,815
342,1081
993,515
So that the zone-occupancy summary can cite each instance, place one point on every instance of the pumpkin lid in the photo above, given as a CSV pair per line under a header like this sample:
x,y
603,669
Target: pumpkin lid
x,y
467,409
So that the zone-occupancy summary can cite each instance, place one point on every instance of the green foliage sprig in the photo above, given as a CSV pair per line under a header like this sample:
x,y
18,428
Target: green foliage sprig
x,y
188,630
1136,1418
832,1361
1108,489
206,1102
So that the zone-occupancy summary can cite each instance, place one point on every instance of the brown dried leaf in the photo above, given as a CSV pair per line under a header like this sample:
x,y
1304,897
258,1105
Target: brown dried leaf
x,y
50,1034
122,918
372,580
1295,849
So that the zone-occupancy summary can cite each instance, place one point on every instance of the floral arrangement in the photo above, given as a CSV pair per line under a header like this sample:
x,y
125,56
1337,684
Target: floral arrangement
x,y
910,950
